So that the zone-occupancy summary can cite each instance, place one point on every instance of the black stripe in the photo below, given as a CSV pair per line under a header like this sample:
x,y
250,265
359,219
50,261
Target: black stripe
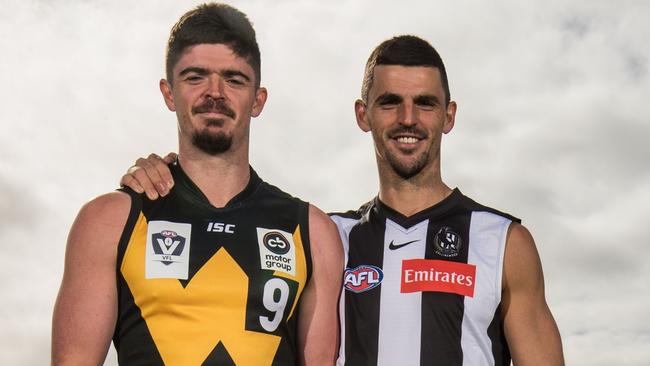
x,y
500,349
442,313
362,309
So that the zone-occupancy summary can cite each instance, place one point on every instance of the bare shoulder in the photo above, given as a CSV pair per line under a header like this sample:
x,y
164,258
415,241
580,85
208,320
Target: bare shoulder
x,y
100,221
522,265
520,245
324,236
319,220
107,206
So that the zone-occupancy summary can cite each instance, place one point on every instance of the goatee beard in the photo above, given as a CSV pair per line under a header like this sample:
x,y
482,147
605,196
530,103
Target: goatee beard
x,y
211,143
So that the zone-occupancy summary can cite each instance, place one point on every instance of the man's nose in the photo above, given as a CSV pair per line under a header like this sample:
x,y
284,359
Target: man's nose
x,y
215,87
407,115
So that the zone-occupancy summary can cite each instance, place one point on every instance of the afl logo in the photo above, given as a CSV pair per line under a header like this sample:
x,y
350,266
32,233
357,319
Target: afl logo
x,y
276,242
362,278
447,243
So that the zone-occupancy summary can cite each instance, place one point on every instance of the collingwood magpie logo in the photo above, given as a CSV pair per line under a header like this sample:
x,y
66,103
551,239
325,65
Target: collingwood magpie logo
x,y
168,246
447,243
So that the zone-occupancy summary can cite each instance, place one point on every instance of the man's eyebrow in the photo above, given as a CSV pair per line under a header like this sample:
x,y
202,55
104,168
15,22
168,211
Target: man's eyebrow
x,y
388,98
194,69
426,99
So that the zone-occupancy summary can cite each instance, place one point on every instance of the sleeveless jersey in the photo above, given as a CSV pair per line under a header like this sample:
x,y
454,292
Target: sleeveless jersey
x,y
424,289
199,285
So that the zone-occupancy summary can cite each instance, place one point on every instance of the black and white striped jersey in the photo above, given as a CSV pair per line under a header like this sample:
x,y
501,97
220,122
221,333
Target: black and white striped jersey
x,y
424,289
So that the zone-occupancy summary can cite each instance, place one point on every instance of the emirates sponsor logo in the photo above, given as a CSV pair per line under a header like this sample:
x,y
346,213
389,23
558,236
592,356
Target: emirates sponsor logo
x,y
439,276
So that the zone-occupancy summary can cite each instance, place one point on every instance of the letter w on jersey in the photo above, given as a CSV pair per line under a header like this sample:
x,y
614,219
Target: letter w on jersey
x,y
439,276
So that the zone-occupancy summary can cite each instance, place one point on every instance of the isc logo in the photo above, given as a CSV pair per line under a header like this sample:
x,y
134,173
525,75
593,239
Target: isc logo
x,y
219,227
362,278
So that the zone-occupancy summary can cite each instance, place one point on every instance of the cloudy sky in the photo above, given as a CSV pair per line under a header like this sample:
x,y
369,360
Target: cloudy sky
x,y
553,126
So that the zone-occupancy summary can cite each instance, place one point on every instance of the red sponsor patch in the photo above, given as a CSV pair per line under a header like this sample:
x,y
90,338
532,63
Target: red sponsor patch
x,y
439,276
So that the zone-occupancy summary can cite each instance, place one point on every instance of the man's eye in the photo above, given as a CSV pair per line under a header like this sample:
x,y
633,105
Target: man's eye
x,y
426,106
194,79
235,82
388,105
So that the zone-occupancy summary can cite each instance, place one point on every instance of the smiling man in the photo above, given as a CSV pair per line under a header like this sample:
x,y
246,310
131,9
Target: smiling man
x,y
432,277
226,269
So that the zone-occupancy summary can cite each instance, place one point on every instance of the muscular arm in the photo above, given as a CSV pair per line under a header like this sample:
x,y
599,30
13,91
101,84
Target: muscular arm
x,y
86,307
318,322
530,329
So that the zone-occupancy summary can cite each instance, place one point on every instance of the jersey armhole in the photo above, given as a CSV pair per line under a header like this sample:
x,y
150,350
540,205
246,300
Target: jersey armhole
x,y
303,219
134,213
502,252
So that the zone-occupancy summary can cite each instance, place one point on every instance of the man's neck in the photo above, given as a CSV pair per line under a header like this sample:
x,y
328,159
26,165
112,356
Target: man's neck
x,y
410,196
220,177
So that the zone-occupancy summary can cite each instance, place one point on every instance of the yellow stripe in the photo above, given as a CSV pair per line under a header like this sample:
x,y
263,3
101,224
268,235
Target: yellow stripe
x,y
301,269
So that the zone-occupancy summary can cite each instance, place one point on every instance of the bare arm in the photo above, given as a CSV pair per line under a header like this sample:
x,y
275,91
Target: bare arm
x,y
530,329
86,307
318,323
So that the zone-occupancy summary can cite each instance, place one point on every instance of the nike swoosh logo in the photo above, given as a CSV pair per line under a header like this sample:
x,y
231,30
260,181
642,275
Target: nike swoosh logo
x,y
392,246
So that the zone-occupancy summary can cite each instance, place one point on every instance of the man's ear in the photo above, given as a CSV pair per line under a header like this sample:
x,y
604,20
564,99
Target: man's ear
x,y
166,90
260,99
360,113
450,119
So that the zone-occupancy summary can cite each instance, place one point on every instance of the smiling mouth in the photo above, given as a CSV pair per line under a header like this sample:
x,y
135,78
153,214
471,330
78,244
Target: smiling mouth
x,y
407,139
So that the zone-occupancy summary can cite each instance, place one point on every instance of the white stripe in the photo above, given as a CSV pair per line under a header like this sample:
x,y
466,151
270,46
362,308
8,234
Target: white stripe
x,y
400,315
344,225
487,237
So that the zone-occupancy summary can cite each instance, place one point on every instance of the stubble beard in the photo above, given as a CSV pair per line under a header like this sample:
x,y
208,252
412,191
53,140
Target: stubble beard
x,y
407,170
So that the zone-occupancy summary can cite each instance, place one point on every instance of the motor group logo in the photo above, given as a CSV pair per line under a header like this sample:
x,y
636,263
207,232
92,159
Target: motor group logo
x,y
447,243
277,250
168,246
276,242
362,278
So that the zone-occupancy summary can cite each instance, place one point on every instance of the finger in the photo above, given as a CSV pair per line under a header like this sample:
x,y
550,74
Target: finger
x,y
128,181
142,172
170,158
166,179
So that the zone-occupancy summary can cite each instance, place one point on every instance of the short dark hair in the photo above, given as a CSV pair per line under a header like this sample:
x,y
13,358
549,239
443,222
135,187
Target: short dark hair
x,y
214,23
404,50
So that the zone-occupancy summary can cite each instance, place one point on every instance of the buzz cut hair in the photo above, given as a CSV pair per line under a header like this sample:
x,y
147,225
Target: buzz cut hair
x,y
404,50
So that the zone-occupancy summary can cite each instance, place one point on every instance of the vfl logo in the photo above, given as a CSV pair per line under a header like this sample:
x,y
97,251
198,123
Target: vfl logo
x,y
167,244
276,242
447,243
362,278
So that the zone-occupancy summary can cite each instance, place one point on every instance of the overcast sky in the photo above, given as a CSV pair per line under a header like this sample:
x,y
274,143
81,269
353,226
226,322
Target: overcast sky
x,y
553,126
